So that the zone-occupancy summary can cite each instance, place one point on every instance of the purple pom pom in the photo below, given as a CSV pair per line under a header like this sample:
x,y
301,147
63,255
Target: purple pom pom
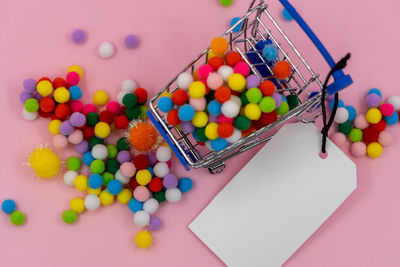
x,y
29,85
124,156
252,81
278,99
170,181
66,128
77,119
212,118
155,223
37,96
131,41
78,36
82,147
24,96
152,159
187,127
373,100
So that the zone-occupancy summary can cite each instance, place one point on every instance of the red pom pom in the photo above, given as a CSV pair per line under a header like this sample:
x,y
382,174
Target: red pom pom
x,y
179,97
88,132
267,88
121,122
106,116
222,94
141,95
215,62
133,184
380,126
59,82
232,58
370,135
155,184
45,114
225,130
122,110
44,79
47,104
62,111
282,70
268,118
172,117
257,124
141,161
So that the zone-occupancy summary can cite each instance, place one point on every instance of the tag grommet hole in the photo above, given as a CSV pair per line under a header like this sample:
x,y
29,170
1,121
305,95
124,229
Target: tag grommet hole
x,y
323,155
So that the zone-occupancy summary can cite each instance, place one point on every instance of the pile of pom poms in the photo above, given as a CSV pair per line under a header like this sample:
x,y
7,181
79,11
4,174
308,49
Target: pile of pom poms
x,y
222,101
367,132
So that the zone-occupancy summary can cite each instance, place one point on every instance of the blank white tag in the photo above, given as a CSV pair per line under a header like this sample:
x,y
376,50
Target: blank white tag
x,y
278,200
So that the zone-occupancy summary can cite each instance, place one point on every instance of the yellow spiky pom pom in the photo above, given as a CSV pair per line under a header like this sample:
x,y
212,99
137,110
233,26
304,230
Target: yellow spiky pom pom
x,y
44,162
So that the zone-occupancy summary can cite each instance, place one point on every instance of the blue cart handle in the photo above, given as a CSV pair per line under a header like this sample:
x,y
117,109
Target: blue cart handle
x,y
341,80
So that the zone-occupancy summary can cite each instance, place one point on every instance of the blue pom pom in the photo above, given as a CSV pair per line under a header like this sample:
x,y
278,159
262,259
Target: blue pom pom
x,y
233,22
392,120
165,104
218,144
270,53
375,91
114,187
75,92
214,108
352,113
95,181
150,169
286,15
312,94
135,205
340,104
8,206
284,98
185,184
87,158
186,112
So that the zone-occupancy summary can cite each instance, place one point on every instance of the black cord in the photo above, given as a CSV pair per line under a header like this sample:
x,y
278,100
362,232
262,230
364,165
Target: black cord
x,y
327,125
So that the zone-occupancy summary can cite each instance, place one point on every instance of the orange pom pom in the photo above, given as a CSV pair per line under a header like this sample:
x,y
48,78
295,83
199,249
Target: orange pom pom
x,y
232,58
219,45
225,130
196,75
215,62
142,136
172,117
282,70
267,88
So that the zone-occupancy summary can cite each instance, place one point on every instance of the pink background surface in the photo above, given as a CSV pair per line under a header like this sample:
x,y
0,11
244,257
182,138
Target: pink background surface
x,y
34,37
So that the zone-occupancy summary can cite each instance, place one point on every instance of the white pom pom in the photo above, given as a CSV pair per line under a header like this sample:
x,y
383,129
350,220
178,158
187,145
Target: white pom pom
x,y
92,202
230,109
69,177
225,72
236,99
342,115
395,101
128,85
173,194
163,154
106,50
100,151
161,169
30,116
121,178
184,80
141,218
121,96
150,205
208,145
235,136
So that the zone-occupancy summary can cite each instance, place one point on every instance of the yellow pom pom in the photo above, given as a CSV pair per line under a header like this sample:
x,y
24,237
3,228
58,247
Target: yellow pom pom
x,y
373,115
124,196
106,198
100,98
77,69
54,127
374,150
219,45
211,54
44,162
61,95
166,93
200,119
237,82
197,89
212,131
44,88
81,182
252,111
77,204
94,191
102,129
143,239
143,177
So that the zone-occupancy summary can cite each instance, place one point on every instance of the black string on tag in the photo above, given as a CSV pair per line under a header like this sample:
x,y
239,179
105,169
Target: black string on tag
x,y
327,124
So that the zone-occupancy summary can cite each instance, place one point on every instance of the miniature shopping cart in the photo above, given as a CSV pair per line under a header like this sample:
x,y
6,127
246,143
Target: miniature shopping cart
x,y
257,27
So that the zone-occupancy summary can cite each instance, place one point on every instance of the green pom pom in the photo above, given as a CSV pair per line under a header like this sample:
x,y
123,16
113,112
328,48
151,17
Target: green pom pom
x,y
94,141
355,135
254,95
122,144
226,2
17,218
293,101
200,134
129,100
210,96
69,216
267,104
107,177
159,196
92,119
282,109
31,105
143,111
345,128
242,123
112,165
73,163
243,99
112,151
133,113
97,166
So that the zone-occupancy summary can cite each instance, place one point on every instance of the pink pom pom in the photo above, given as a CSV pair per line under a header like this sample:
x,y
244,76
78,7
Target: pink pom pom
x,y
72,78
358,149
199,104
360,122
204,71
127,169
76,106
214,81
88,108
75,137
387,109
242,68
60,141
338,138
223,118
141,193
113,106
385,138
169,163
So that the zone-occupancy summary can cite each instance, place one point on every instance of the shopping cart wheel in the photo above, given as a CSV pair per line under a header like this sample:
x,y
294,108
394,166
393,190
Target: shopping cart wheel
x,y
217,168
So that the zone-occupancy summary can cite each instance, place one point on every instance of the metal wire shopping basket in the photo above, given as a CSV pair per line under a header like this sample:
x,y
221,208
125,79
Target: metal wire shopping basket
x,y
256,26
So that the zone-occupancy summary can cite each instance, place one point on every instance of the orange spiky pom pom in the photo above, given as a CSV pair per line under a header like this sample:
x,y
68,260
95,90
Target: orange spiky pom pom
x,y
142,136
